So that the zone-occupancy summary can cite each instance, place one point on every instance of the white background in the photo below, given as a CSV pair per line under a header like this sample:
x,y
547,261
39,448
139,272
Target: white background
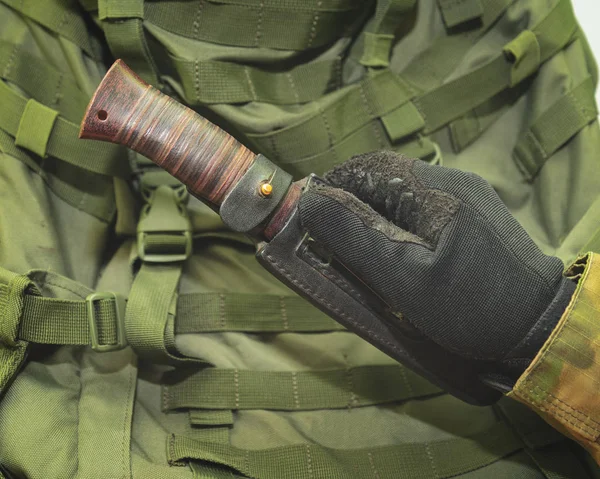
x,y
588,14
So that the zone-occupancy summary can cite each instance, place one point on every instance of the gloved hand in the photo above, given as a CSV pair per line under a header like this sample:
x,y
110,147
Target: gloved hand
x,y
465,283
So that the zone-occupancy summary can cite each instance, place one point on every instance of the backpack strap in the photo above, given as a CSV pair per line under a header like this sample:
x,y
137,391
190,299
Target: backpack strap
x,y
123,25
446,458
555,127
217,388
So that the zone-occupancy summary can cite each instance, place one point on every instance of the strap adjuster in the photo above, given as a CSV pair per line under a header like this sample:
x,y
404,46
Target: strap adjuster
x,y
164,232
119,302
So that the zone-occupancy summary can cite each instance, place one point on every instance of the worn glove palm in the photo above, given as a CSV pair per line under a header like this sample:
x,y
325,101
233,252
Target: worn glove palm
x,y
439,247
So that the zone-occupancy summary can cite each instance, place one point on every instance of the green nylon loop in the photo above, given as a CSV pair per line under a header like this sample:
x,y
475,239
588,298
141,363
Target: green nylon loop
x,y
378,36
64,142
288,25
219,312
58,16
216,388
35,127
376,49
402,122
40,80
441,459
200,417
120,9
347,111
209,82
555,127
524,53
457,12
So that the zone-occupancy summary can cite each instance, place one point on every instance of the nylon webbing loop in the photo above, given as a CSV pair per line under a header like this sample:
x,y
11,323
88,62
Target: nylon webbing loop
x,y
379,32
441,459
60,17
122,22
346,111
555,127
218,312
35,127
208,82
456,12
42,81
216,388
13,350
290,25
63,142
200,417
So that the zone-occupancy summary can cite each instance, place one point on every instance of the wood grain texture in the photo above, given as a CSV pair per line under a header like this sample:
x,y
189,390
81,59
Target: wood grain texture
x,y
128,111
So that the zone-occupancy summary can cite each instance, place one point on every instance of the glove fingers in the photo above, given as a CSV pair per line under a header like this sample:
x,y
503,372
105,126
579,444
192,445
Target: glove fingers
x,y
386,181
367,244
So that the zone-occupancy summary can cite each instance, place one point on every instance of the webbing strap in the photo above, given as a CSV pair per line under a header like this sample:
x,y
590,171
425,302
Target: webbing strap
x,y
207,82
519,59
456,12
200,417
379,33
217,312
62,139
440,459
555,127
216,388
42,81
59,16
122,22
348,109
380,94
286,25
13,350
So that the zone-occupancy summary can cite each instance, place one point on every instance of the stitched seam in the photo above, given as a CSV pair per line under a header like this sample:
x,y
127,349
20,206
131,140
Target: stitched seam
x,y
57,95
431,461
261,12
313,29
295,390
10,61
196,25
309,462
236,383
284,316
222,317
293,86
197,80
250,84
373,468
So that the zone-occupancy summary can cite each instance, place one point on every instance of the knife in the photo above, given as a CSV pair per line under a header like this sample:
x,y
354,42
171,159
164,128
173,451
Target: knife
x,y
254,196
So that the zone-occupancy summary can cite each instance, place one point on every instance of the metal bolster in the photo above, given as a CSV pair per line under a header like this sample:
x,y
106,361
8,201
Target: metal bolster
x,y
245,206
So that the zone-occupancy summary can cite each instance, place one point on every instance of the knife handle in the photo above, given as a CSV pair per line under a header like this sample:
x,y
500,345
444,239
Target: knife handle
x,y
127,111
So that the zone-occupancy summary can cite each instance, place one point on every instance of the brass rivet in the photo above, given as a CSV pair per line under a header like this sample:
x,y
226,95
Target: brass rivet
x,y
266,189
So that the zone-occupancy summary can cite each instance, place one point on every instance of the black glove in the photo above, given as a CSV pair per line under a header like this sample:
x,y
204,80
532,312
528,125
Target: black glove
x,y
468,288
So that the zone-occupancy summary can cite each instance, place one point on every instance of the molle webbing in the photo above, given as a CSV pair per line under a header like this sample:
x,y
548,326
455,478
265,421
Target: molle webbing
x,y
442,459
259,313
208,82
380,95
286,25
63,17
57,137
122,22
554,127
216,388
42,81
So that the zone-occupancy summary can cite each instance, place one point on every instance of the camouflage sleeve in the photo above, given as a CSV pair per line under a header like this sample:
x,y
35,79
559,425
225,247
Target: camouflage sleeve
x,y
562,384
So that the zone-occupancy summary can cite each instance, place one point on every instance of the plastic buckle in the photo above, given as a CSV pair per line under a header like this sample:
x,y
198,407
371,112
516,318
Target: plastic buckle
x,y
164,220
91,301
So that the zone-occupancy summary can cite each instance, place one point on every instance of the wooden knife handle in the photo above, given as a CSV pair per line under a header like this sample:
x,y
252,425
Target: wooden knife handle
x,y
128,111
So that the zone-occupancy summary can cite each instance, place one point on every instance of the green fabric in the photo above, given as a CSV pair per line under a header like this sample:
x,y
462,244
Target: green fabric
x,y
216,388
42,81
63,141
123,27
35,127
213,312
456,12
555,127
290,25
208,82
438,459
378,36
58,16
199,417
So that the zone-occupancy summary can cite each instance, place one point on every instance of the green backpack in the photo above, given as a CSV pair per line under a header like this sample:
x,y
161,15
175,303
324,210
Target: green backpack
x,y
140,338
